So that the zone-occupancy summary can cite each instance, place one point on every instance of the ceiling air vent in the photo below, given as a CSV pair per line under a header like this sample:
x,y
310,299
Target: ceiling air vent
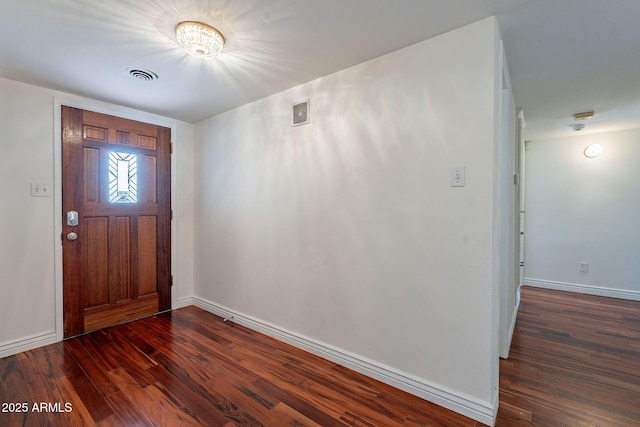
x,y
142,74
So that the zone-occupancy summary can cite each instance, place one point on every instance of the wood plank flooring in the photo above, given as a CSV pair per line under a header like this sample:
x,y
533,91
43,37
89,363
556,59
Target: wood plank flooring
x,y
574,361
188,368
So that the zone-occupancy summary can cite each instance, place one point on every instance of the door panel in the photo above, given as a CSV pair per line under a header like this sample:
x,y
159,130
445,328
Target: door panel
x,y
149,179
116,175
91,175
96,261
147,265
122,254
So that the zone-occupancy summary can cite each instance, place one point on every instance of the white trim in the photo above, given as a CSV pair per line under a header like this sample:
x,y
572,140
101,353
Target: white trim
x,y
9,348
184,302
104,108
512,328
583,289
482,411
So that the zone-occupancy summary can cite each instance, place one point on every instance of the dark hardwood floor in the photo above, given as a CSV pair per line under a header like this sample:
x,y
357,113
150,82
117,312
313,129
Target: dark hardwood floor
x,y
187,368
574,361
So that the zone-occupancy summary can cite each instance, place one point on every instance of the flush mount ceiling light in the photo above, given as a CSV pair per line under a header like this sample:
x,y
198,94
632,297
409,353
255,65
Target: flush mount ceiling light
x,y
200,40
594,150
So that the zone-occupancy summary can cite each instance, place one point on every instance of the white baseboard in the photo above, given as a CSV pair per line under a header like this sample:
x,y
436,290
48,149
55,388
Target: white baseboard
x,y
482,411
583,289
9,348
184,302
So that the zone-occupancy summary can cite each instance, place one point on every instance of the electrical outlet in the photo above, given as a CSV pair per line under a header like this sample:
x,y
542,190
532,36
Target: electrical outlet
x,y
457,176
584,267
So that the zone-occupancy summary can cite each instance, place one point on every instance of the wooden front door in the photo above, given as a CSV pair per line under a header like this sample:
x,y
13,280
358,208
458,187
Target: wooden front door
x,y
116,260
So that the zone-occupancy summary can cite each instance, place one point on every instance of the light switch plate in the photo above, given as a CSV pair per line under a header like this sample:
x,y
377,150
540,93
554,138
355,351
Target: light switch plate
x,y
457,176
39,189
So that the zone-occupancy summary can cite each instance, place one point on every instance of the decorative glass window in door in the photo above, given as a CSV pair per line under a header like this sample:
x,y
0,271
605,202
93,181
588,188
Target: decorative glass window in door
x,y
123,178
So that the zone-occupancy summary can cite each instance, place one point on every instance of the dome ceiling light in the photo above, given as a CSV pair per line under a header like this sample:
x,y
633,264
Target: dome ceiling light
x,y
200,40
594,150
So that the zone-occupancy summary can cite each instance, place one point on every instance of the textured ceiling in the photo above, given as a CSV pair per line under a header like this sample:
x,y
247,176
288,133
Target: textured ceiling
x,y
564,55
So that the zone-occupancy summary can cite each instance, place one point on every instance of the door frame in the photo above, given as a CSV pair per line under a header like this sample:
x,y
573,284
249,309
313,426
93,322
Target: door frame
x,y
112,110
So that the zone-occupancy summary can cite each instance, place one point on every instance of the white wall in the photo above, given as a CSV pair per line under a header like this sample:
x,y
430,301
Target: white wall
x,y
584,210
27,293
30,254
344,235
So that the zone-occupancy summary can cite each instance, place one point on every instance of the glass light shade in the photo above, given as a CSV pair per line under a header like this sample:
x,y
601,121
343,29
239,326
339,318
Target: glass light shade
x,y
594,150
200,40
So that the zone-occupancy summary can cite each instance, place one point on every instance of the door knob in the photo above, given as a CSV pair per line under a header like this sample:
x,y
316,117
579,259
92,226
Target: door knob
x,y
72,236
